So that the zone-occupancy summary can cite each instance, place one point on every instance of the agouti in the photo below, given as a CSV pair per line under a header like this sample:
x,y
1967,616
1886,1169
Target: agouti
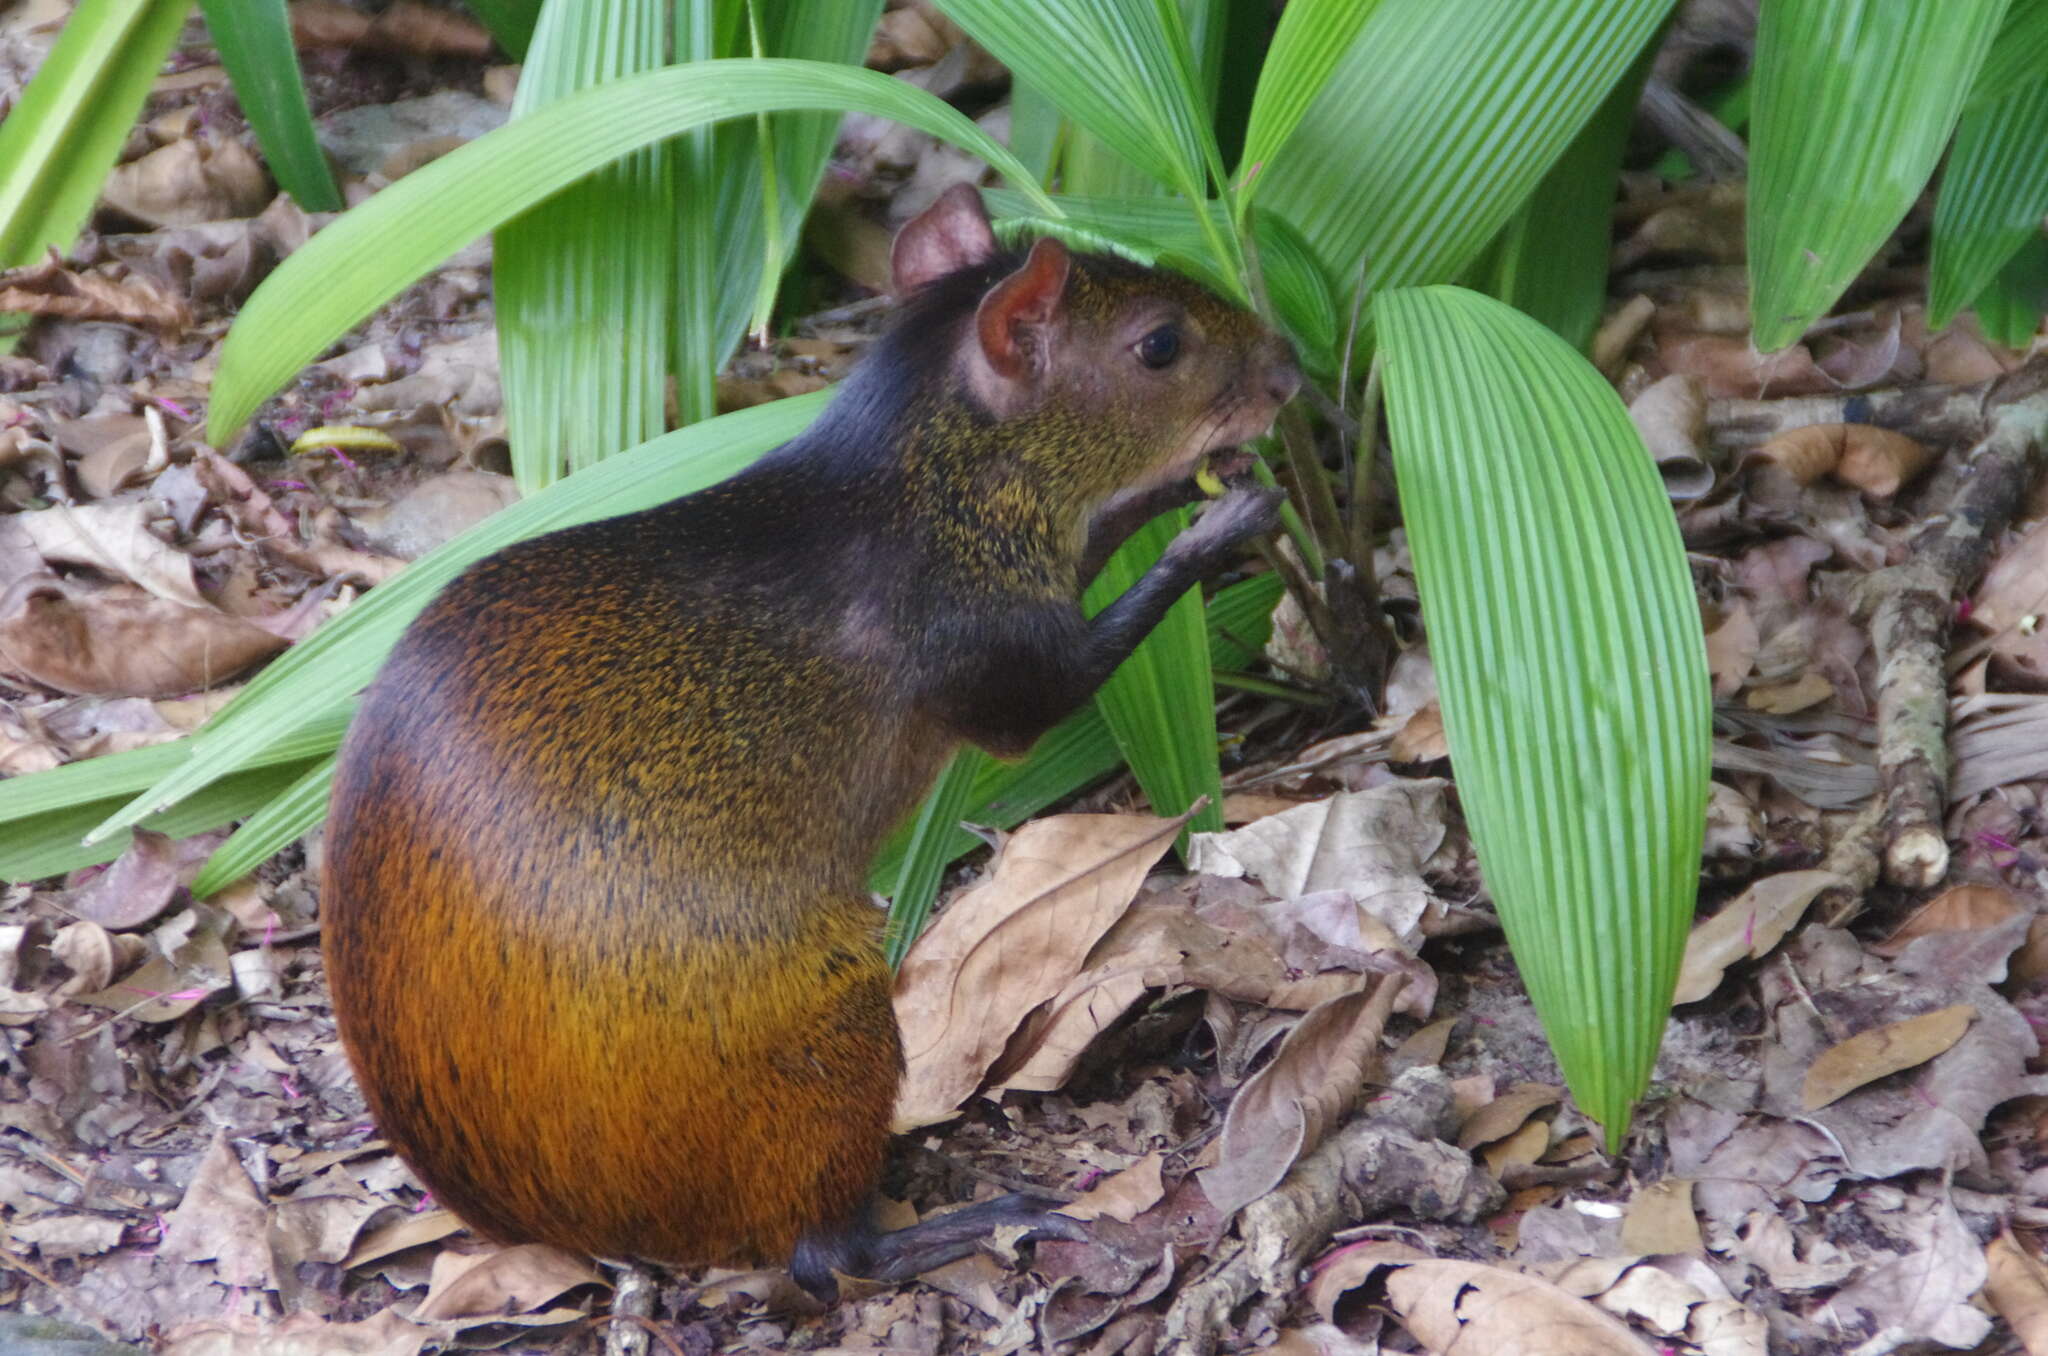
x,y
594,909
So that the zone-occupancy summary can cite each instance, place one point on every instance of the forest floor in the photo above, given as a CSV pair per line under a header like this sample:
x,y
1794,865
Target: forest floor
x,y
1842,1149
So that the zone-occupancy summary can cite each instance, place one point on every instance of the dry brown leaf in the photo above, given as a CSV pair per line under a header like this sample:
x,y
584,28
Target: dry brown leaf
x,y
1960,908
221,1220
1747,927
189,181
1463,1306
1123,1195
1525,1146
1505,1114
1000,950
404,27
1871,1055
1671,416
1421,738
429,1226
143,880
49,288
115,640
1424,1045
1285,1109
1660,1220
1809,689
512,1280
1880,462
2018,1290
1371,844
114,539
1731,649
1728,367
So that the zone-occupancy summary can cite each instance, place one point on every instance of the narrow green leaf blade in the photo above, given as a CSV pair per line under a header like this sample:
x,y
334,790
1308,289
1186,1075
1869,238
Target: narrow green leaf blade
x,y
1570,663
49,842
583,282
1854,101
389,241
1160,704
1993,196
321,672
1311,38
1443,118
2010,307
61,137
1552,262
254,39
2018,54
1113,68
925,852
294,811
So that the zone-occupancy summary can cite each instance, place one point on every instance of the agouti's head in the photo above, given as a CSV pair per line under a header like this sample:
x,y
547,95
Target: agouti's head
x,y
1117,376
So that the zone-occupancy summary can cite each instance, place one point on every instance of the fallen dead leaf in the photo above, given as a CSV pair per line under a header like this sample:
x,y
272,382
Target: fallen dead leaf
x,y
1747,928
1285,1109
503,1281
1871,1055
1507,1113
1001,949
1660,1220
221,1220
1960,908
189,181
52,289
404,27
2018,1289
1463,1306
117,640
1122,1195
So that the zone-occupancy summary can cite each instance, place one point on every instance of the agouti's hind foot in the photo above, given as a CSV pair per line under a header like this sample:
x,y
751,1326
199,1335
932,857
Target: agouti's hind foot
x,y
859,1249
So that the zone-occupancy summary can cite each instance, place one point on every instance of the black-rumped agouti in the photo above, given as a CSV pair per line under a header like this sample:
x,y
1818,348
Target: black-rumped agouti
x,y
594,909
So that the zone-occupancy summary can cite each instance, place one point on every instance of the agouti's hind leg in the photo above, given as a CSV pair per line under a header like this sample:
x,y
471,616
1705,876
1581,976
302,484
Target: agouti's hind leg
x,y
858,1248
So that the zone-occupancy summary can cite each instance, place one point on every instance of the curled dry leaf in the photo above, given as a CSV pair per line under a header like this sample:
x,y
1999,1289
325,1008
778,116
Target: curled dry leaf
x,y
1285,1109
1371,844
2018,1289
142,881
1747,927
190,962
189,181
51,289
1671,416
114,539
1871,1055
1002,949
1874,460
1507,1113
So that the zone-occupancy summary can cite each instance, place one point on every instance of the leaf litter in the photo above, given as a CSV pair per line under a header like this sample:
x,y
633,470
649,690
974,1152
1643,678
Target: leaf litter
x,y
1295,1091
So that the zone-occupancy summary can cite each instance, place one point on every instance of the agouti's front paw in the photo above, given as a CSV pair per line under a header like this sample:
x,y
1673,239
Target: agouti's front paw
x,y
1247,511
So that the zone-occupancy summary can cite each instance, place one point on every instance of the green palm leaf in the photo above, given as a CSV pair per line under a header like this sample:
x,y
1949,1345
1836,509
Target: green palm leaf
x,y
392,239
254,39
1570,663
1993,196
1854,101
1438,121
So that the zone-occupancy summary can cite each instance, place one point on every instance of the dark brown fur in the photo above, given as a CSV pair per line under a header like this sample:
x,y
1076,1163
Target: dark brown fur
x,y
594,907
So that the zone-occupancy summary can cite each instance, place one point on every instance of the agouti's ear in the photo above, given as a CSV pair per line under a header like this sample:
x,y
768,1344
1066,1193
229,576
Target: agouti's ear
x,y
952,234
1025,301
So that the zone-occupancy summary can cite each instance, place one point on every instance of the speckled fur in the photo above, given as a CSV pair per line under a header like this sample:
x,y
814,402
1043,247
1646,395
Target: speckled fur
x,y
594,905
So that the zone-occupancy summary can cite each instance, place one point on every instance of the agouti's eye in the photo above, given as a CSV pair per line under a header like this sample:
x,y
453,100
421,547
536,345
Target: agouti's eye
x,y
1160,347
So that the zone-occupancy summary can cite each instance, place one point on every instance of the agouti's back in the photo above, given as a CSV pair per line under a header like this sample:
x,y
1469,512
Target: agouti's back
x,y
594,908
